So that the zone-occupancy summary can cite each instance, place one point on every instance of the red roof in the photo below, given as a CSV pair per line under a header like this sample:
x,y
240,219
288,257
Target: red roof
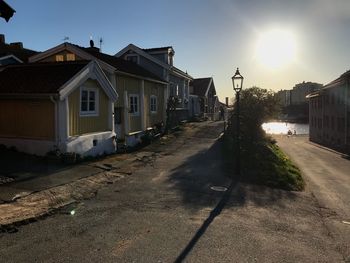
x,y
37,78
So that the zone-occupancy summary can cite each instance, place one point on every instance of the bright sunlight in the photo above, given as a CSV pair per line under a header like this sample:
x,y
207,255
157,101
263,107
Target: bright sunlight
x,y
275,48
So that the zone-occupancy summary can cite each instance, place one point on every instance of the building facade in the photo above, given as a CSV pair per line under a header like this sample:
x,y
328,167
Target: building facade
x,y
160,61
329,114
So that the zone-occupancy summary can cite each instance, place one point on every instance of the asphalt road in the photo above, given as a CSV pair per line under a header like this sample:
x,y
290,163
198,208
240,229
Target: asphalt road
x,y
327,174
165,211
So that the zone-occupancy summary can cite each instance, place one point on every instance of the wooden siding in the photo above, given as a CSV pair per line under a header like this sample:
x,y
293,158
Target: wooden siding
x,y
132,86
30,119
157,90
79,125
53,57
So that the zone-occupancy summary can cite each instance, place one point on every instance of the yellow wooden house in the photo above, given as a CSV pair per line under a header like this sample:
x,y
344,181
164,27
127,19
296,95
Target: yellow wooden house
x,y
64,106
142,103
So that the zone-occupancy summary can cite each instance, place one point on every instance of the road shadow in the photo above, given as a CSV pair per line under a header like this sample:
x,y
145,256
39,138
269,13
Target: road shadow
x,y
194,178
214,213
21,167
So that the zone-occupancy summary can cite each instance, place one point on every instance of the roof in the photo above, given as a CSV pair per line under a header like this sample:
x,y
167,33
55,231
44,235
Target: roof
x,y
143,53
157,49
37,78
200,86
121,64
21,53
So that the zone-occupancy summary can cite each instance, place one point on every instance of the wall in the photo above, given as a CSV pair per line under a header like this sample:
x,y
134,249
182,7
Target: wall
x,y
53,57
27,118
152,88
79,125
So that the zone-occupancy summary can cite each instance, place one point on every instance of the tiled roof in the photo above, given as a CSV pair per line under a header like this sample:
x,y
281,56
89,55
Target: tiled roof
x,y
200,86
121,64
37,78
21,53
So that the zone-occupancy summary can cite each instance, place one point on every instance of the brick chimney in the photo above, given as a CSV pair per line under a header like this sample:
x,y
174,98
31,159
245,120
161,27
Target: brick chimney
x,y
16,45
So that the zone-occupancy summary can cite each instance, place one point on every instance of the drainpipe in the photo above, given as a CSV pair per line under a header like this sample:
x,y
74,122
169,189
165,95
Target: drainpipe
x,y
56,119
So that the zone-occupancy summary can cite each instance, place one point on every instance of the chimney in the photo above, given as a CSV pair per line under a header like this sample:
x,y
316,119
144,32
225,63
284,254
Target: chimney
x,y
2,39
226,101
17,45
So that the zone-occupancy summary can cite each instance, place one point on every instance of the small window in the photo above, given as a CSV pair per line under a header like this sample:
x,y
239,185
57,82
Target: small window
x,y
88,101
153,104
134,104
70,57
132,58
59,58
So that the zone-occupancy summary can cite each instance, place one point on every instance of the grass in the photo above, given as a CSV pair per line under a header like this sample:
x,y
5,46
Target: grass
x,y
263,163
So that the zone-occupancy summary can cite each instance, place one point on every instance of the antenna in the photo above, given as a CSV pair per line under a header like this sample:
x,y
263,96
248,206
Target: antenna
x,y
65,38
101,42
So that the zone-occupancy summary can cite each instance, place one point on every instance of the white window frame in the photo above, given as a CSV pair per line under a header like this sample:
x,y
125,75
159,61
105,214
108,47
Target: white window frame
x,y
155,104
89,112
135,113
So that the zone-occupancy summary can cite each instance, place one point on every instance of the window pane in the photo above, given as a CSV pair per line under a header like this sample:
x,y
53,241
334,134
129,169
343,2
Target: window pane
x,y
92,95
84,95
91,106
83,105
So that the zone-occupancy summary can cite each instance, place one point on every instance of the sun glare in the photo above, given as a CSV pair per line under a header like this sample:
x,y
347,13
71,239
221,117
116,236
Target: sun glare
x,y
275,48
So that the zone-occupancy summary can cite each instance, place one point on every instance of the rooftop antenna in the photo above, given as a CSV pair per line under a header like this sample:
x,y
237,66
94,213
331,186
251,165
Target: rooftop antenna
x,y
65,38
101,42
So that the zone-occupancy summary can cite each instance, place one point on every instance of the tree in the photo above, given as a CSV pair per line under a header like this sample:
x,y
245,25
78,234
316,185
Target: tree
x,y
257,106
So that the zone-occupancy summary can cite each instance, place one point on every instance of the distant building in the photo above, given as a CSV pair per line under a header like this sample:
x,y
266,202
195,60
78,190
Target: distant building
x,y
294,104
204,88
329,116
284,97
301,90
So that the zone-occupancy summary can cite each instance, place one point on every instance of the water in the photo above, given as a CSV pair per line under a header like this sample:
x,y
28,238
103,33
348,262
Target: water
x,y
283,127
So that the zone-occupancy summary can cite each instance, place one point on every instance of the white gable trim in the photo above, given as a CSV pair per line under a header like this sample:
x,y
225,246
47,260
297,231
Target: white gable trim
x,y
69,47
139,51
90,71
11,56
208,88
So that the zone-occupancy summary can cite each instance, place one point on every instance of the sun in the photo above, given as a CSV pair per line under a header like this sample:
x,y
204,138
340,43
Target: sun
x,y
275,48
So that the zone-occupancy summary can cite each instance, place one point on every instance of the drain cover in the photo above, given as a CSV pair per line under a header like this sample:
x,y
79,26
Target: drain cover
x,y
219,188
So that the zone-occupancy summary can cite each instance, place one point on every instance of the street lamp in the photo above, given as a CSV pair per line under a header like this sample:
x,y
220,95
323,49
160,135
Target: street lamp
x,y
237,82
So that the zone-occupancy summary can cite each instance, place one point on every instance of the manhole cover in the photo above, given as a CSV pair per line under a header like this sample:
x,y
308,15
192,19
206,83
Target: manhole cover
x,y
219,188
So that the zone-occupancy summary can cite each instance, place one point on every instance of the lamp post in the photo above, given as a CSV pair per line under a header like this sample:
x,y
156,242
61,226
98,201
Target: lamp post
x,y
237,82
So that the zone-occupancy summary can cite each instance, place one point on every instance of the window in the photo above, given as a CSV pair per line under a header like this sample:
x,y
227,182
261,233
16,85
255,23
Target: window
x,y
70,57
132,58
153,104
59,58
88,101
134,104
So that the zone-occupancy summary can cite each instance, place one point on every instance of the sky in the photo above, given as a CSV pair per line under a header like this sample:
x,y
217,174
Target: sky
x,y
211,38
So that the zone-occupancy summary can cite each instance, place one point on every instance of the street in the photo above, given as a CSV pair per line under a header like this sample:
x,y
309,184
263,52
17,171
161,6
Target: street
x,y
166,211
328,178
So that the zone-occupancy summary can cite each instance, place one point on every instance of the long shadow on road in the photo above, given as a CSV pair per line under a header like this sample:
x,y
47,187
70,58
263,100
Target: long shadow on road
x,y
194,178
